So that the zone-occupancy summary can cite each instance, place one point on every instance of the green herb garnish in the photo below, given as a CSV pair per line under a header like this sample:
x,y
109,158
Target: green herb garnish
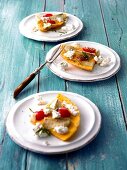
x,y
31,110
85,55
41,131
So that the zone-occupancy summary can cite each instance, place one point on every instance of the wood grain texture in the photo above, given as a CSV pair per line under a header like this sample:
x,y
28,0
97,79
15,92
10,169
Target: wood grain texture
x,y
18,57
105,22
115,13
103,152
47,82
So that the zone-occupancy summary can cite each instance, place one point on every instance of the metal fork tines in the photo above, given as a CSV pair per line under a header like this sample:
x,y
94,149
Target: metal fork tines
x,y
36,71
55,54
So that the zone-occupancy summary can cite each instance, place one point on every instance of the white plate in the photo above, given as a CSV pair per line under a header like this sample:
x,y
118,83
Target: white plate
x,y
27,24
21,130
99,73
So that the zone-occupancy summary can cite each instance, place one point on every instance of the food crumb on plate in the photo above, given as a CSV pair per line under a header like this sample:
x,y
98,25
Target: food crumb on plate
x,y
46,143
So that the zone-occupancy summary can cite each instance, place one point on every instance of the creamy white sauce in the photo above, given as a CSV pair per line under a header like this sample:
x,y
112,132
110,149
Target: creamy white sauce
x,y
61,129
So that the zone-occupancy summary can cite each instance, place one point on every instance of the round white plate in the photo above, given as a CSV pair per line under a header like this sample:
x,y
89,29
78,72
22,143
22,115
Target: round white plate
x,y
75,74
27,24
21,130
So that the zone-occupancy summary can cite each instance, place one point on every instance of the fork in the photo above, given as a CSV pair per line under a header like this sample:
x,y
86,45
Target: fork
x,y
20,87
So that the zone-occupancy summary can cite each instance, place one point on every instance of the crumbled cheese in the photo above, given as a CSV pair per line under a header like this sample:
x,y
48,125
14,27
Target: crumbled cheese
x,y
66,28
35,29
46,143
69,54
102,61
60,19
39,132
33,118
37,17
96,58
39,100
47,110
42,134
46,25
61,129
71,108
105,61
54,104
63,66
75,45
55,114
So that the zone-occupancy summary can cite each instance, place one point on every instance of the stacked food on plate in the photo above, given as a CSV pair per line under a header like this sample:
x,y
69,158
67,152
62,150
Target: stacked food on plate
x,y
83,57
49,21
60,117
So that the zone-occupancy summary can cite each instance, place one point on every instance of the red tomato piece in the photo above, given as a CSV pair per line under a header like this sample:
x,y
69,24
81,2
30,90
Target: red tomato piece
x,y
64,112
48,15
89,50
51,21
40,115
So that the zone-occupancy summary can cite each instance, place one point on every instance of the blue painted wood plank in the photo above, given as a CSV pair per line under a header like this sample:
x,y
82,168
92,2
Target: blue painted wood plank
x,y
108,150
115,13
11,155
48,81
17,53
19,56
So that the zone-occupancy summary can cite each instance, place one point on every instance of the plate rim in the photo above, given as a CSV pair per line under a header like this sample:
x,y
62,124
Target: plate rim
x,y
15,139
55,39
116,67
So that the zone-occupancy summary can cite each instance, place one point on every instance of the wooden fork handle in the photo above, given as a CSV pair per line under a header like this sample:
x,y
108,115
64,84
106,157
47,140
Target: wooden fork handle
x,y
24,84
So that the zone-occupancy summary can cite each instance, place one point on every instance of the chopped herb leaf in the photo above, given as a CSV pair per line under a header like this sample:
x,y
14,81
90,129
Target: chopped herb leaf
x,y
31,110
85,55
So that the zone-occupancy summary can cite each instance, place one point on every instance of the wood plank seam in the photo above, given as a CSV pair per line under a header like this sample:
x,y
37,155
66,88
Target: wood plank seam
x,y
66,161
121,34
4,134
122,103
116,79
1,144
26,160
102,15
38,82
66,87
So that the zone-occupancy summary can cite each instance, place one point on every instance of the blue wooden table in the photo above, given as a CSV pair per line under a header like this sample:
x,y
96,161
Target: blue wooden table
x,y
105,22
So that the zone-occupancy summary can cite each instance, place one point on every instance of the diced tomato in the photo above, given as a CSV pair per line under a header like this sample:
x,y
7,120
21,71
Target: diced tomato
x,y
48,15
82,58
89,50
51,21
64,112
39,115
